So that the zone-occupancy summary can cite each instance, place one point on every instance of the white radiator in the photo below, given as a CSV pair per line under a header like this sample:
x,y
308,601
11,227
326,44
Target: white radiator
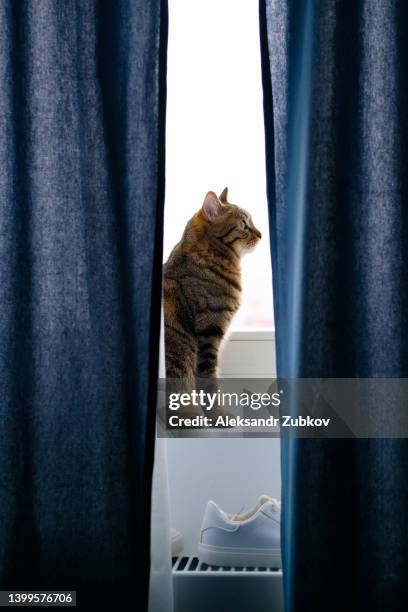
x,y
202,588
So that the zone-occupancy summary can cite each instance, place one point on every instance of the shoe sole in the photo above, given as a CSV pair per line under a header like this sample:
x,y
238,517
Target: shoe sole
x,y
240,557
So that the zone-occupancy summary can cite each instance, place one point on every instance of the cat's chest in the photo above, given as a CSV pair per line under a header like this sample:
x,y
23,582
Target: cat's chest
x,y
218,291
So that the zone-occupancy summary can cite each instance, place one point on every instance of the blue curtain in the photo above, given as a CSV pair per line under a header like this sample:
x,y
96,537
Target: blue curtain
x,y
81,206
336,110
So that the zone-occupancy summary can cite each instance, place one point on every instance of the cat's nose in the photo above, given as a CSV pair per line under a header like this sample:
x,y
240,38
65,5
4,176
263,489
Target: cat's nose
x,y
257,233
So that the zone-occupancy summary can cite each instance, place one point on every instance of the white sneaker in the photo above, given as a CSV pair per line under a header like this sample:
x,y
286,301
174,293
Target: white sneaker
x,y
251,539
177,542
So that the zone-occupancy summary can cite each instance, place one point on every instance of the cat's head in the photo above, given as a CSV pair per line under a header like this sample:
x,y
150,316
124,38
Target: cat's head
x,y
227,222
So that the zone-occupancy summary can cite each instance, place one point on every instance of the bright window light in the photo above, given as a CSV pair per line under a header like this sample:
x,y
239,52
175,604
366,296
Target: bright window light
x,y
215,131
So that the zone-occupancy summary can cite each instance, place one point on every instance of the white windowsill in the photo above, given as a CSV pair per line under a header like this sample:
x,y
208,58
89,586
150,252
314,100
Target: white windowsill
x,y
248,354
252,334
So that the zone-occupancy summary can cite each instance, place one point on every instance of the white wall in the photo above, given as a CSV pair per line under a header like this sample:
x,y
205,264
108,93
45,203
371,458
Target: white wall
x,y
233,472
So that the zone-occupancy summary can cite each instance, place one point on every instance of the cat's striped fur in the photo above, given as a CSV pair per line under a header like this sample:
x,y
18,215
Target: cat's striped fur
x,y
202,286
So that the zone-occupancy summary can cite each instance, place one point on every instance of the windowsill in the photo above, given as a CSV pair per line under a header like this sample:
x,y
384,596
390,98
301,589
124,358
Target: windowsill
x,y
249,354
252,334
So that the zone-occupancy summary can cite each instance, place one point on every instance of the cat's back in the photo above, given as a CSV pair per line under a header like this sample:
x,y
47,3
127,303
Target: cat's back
x,y
174,261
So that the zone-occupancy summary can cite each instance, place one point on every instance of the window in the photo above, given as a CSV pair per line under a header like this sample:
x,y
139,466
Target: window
x,y
215,132
215,138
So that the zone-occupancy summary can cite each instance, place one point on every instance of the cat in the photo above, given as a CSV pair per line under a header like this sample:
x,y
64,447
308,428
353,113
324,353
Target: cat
x,y
202,286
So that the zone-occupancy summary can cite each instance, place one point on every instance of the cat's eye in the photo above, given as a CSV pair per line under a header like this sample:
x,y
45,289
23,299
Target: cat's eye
x,y
243,224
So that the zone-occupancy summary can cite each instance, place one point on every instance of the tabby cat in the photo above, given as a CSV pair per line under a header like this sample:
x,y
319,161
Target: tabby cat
x,y
202,286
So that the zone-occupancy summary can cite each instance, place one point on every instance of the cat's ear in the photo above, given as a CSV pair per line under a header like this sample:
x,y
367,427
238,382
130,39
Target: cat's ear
x,y
224,196
212,206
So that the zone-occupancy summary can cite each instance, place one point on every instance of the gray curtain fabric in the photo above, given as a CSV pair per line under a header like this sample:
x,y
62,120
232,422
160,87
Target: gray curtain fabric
x,y
81,205
335,87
